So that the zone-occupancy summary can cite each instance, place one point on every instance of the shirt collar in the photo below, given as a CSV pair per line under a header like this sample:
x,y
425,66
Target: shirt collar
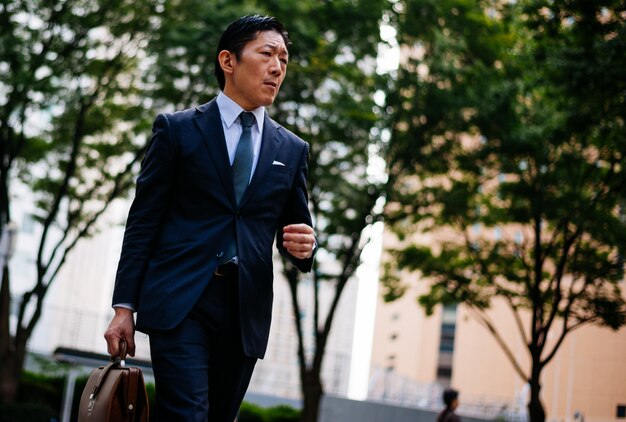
x,y
230,111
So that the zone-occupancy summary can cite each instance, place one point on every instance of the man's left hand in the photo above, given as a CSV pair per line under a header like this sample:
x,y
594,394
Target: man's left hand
x,y
299,240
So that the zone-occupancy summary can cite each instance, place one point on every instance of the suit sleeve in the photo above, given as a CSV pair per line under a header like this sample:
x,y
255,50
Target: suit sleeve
x,y
296,211
145,217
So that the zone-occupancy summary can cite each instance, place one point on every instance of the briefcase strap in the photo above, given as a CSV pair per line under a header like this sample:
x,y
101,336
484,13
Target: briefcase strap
x,y
133,384
115,362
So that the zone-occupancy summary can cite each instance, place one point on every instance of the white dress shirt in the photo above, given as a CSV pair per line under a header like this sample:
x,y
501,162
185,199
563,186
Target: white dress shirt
x,y
229,112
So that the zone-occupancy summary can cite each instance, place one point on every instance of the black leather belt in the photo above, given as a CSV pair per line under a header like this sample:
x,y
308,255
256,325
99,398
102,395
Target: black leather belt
x,y
227,270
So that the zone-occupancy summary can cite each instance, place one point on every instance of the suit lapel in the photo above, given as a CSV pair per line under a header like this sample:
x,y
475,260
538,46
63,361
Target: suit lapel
x,y
209,123
270,142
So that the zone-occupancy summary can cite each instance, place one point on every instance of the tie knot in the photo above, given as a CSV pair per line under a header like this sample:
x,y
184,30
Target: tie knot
x,y
247,119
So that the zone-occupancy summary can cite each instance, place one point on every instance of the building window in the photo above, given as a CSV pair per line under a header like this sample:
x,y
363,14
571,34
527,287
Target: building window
x,y
444,372
446,343
449,314
28,224
621,411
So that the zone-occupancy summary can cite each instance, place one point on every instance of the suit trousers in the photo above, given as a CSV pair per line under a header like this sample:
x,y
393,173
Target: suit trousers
x,y
200,370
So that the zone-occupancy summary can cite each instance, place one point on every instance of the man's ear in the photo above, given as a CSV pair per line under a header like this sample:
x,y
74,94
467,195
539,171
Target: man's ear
x,y
227,61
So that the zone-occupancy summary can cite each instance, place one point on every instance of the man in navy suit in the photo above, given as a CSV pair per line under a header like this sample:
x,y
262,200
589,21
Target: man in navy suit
x,y
196,261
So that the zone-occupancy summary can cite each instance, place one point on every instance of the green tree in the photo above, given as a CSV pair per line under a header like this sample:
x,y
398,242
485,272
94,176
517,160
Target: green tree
x,y
70,111
329,102
327,99
508,118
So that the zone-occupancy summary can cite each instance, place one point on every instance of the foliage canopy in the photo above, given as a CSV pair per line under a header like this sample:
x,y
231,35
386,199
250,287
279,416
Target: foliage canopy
x,y
508,147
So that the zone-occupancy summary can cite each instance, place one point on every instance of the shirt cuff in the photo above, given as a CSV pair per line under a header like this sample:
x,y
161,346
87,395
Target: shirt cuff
x,y
125,305
313,249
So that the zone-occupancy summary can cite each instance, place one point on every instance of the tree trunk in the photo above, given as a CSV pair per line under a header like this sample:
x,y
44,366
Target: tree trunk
x,y
12,348
312,392
536,412
9,378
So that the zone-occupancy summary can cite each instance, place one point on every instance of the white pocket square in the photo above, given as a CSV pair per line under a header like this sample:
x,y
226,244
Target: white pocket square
x,y
277,163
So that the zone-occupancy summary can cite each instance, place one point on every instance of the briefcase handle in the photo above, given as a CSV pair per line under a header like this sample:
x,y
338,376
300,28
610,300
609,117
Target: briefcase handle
x,y
123,350
116,362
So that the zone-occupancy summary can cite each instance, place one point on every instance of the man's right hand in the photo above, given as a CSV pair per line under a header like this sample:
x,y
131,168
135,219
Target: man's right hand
x,y
122,326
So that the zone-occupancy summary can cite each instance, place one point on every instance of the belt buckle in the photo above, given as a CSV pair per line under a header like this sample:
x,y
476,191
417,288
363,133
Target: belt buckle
x,y
218,273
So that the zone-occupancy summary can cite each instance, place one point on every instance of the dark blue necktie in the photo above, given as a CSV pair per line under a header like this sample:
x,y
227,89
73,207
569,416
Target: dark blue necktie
x,y
242,166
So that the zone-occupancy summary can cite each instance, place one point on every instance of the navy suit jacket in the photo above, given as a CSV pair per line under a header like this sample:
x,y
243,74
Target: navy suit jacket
x,y
184,214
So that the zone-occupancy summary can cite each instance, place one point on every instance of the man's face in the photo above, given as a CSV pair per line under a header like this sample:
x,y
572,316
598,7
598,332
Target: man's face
x,y
258,73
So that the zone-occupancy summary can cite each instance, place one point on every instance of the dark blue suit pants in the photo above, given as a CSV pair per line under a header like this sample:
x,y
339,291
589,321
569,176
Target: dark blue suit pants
x,y
200,369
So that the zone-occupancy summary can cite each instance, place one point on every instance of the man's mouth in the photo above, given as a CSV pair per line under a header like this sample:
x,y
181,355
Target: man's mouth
x,y
272,84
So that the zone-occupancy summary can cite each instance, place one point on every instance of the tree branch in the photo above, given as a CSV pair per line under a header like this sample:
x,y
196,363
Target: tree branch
x,y
483,319
557,280
292,279
69,171
518,320
566,330
316,307
72,166
347,271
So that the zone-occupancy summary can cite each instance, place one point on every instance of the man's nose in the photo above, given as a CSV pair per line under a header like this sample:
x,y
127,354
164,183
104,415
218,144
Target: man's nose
x,y
275,67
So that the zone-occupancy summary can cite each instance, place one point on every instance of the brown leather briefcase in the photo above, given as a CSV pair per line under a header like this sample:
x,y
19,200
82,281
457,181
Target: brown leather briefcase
x,y
114,393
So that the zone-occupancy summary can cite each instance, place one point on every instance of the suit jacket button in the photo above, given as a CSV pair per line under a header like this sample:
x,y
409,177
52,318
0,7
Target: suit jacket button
x,y
219,255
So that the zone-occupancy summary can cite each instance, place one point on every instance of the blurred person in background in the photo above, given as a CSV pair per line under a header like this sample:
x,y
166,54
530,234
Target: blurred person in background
x,y
451,400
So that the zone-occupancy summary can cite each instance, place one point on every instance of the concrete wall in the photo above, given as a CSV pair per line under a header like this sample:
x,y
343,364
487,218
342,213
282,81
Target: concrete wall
x,y
335,409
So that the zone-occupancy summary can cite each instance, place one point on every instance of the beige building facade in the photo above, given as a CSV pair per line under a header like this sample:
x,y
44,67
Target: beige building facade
x,y
586,380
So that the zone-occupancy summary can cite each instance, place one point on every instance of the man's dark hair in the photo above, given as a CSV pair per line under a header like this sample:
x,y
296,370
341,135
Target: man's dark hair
x,y
242,31
449,395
